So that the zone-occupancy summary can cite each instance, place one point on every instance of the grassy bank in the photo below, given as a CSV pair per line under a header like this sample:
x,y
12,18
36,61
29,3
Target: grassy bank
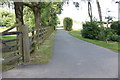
x,y
110,45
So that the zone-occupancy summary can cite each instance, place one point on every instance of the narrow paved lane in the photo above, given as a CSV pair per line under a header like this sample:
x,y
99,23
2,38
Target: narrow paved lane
x,y
72,58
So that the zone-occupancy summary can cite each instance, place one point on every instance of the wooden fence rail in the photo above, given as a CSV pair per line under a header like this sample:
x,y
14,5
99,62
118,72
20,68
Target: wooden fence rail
x,y
24,44
38,36
9,48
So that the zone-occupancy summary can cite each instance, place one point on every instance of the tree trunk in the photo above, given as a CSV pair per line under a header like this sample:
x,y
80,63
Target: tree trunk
x,y
19,20
19,12
37,17
99,11
36,12
90,11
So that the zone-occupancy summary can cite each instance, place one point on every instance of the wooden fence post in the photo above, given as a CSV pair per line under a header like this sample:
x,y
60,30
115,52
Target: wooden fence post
x,y
26,43
21,46
33,39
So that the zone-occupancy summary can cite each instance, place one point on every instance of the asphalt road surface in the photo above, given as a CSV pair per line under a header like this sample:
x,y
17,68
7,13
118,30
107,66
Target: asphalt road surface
x,y
72,58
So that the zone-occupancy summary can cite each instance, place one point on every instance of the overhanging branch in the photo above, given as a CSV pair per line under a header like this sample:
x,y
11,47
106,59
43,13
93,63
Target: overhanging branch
x,y
28,5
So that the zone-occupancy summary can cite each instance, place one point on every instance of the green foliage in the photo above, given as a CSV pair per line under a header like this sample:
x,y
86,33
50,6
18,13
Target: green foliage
x,y
102,35
29,17
116,27
92,31
49,14
58,7
114,37
45,16
101,22
68,23
6,18
107,34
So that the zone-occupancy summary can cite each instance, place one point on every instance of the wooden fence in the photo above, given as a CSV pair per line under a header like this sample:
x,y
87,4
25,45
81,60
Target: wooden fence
x,y
25,42
37,36
11,47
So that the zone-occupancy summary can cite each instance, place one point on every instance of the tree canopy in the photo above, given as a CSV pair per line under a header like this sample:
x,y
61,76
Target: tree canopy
x,y
6,18
36,13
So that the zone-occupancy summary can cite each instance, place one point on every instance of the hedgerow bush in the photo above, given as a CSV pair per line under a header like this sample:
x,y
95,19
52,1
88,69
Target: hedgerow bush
x,y
92,31
116,27
102,35
107,34
67,23
114,37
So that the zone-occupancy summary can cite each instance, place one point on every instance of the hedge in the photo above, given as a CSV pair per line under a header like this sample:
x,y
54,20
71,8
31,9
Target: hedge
x,y
67,23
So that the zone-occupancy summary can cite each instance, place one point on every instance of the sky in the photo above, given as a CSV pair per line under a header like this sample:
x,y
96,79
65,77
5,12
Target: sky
x,y
81,15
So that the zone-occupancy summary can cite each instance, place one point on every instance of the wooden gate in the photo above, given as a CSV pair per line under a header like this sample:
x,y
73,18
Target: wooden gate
x,y
11,45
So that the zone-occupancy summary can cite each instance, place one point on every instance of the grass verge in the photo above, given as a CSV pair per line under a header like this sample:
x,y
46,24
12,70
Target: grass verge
x,y
44,54
7,37
110,45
